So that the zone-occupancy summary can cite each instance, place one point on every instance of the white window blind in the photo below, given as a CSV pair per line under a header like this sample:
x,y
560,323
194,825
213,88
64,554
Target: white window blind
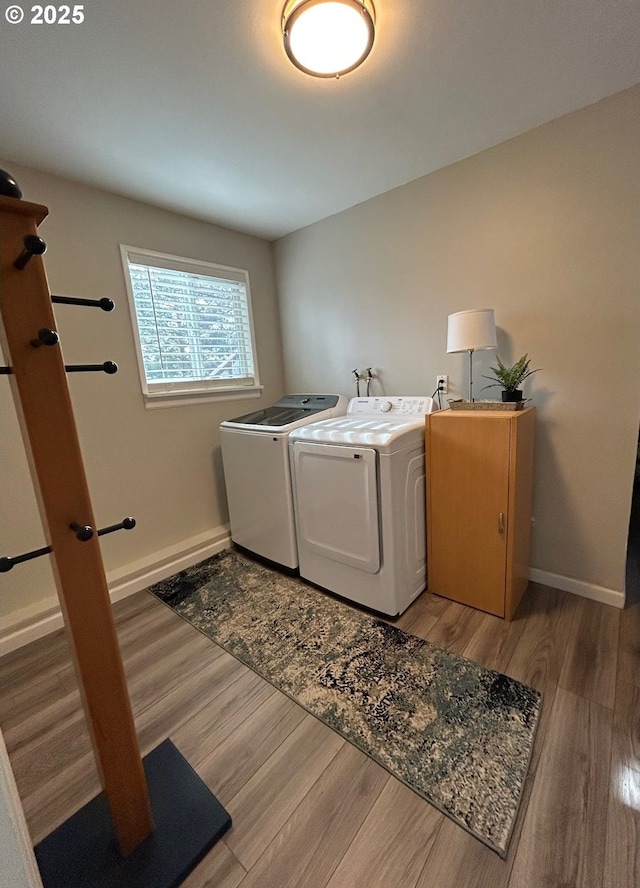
x,y
193,323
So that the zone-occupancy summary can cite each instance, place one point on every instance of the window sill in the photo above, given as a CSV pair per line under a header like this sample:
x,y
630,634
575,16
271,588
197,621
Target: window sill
x,y
188,399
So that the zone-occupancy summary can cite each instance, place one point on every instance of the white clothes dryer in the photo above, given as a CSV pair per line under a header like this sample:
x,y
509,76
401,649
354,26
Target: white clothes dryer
x,y
359,500
255,459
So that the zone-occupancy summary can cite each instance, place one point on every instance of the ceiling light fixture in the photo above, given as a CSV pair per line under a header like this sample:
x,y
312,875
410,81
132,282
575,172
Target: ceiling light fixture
x,y
327,38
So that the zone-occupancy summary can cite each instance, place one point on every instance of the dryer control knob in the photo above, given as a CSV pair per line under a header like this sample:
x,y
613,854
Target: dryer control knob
x,y
386,406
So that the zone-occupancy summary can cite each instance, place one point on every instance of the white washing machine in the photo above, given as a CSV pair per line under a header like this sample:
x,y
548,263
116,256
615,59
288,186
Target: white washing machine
x,y
257,474
359,497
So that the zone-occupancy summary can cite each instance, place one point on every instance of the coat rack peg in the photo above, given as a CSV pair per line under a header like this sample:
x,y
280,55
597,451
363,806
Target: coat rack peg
x,y
108,367
83,532
125,524
8,185
8,563
45,337
33,246
104,304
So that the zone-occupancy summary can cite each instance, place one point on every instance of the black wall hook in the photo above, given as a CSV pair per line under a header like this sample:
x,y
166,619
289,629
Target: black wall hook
x,y
33,246
104,304
45,337
107,367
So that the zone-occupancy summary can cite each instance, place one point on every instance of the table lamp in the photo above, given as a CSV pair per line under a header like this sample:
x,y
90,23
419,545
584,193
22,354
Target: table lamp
x,y
470,330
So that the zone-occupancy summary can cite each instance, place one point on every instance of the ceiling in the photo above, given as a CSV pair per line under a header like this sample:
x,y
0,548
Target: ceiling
x,y
193,105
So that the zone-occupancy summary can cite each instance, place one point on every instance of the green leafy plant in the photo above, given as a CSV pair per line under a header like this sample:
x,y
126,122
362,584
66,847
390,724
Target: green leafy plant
x,y
510,378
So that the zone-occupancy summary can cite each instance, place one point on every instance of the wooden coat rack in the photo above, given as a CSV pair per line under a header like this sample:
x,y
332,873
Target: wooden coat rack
x,y
141,831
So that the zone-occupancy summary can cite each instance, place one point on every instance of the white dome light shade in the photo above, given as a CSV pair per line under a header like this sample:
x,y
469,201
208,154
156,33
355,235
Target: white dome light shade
x,y
327,38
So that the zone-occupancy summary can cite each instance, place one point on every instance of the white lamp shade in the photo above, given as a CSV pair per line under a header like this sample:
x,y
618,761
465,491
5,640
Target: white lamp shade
x,y
471,330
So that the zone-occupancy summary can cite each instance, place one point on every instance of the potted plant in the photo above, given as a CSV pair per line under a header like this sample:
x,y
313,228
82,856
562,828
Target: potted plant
x,y
510,378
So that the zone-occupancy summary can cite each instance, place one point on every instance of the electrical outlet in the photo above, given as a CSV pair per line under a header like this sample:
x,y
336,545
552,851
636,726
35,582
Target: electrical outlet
x,y
442,384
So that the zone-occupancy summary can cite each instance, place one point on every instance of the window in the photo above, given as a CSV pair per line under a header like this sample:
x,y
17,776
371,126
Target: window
x,y
193,325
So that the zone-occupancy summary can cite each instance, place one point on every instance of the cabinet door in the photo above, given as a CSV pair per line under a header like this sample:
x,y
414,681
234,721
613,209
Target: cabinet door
x,y
468,498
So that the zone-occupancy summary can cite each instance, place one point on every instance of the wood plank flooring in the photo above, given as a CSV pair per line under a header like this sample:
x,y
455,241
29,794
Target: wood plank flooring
x,y
312,811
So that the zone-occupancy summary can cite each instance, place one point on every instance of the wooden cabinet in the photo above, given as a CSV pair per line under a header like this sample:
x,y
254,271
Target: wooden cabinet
x,y
479,491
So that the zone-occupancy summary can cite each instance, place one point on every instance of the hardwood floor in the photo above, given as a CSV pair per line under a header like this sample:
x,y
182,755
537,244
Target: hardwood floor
x,y
312,811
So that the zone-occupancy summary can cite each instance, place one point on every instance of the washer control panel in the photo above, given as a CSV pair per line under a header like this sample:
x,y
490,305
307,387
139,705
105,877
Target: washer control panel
x,y
390,406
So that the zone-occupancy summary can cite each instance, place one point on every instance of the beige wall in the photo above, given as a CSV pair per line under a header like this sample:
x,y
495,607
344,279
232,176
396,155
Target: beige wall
x,y
542,228
162,466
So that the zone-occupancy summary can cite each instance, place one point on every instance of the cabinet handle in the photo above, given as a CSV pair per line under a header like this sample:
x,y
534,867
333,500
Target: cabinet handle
x,y
501,522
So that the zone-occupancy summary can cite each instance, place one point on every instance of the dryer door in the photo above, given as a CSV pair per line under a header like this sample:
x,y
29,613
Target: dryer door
x,y
336,494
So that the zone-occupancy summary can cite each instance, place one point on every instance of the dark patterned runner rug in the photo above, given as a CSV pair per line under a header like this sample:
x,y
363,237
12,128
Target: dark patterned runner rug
x,y
458,734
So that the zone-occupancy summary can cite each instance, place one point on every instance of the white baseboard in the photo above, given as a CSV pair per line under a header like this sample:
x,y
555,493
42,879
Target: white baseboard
x,y
125,581
578,587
